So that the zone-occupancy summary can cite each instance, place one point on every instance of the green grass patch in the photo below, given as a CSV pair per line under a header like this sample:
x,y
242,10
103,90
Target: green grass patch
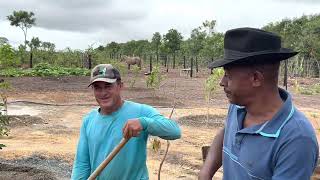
x,y
45,69
308,90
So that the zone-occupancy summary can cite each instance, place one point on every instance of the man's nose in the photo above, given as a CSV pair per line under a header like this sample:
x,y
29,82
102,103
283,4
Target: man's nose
x,y
105,91
222,82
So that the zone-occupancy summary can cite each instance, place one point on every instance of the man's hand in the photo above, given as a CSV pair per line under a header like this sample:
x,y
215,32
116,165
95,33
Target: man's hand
x,y
132,128
214,158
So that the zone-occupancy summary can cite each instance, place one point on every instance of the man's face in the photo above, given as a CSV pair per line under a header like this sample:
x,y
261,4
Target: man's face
x,y
237,84
107,94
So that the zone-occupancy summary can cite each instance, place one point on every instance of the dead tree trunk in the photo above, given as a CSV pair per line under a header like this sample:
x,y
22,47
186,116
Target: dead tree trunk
x,y
150,59
89,61
31,56
168,60
174,61
191,67
197,67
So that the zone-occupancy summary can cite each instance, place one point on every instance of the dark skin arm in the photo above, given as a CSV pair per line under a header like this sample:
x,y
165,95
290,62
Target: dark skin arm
x,y
214,158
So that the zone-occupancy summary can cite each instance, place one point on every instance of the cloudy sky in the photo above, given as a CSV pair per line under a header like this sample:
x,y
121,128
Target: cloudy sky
x,y
80,23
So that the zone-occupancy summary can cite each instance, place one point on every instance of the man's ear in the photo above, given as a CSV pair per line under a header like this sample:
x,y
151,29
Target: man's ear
x,y
121,85
257,78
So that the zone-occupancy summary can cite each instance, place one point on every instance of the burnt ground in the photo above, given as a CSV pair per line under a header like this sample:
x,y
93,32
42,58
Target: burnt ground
x,y
42,145
35,167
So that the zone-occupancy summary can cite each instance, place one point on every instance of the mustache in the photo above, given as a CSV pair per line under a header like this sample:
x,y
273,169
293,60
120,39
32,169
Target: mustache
x,y
226,91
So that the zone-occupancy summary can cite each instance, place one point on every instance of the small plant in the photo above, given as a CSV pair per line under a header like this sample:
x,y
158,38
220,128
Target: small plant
x,y
211,85
311,90
4,120
120,66
156,144
154,79
136,70
296,86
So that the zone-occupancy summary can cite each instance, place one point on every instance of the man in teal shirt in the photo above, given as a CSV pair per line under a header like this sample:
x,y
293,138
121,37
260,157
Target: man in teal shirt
x,y
103,128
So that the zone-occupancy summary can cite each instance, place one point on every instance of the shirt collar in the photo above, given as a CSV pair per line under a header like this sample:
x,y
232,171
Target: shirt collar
x,y
273,127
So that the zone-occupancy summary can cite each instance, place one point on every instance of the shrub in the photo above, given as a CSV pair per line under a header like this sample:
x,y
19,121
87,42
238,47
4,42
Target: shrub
x,y
154,79
45,69
136,70
4,120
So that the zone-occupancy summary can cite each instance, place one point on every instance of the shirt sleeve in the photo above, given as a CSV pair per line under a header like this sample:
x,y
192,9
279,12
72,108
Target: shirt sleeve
x,y
81,166
296,160
157,125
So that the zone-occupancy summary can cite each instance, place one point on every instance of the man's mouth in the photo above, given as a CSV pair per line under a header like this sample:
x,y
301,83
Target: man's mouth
x,y
105,99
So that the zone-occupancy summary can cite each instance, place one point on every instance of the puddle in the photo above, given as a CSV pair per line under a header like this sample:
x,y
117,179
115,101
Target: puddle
x,y
23,109
20,108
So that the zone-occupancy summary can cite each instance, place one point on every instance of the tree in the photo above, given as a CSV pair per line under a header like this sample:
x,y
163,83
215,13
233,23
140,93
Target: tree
x,y
211,86
142,47
100,48
113,48
24,20
156,42
213,46
209,25
172,41
3,40
302,35
197,41
34,44
48,46
154,80
7,56
47,52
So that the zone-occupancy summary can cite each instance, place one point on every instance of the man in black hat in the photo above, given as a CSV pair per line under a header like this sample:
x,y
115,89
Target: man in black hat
x,y
265,136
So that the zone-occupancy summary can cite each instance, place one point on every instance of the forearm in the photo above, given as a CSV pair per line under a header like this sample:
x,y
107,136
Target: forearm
x,y
161,126
81,166
214,158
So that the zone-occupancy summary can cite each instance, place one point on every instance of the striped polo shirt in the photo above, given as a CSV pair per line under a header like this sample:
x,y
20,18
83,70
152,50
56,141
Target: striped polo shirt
x,y
283,148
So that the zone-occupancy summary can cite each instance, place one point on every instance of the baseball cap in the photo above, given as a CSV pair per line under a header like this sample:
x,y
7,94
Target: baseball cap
x,y
104,72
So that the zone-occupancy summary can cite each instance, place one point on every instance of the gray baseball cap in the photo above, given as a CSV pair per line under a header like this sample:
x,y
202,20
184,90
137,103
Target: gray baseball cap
x,y
104,72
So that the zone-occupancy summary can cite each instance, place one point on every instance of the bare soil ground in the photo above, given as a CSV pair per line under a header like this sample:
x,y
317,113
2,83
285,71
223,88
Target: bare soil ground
x,y
47,114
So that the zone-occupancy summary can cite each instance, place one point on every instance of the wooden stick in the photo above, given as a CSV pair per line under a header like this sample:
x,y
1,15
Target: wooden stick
x,y
108,159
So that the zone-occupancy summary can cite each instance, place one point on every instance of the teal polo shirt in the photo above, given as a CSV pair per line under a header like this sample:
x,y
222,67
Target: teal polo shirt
x,y
283,148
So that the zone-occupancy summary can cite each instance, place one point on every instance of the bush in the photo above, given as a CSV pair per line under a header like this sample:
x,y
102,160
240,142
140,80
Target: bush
x,y
45,69
120,66
4,120
7,56
154,79
310,90
136,70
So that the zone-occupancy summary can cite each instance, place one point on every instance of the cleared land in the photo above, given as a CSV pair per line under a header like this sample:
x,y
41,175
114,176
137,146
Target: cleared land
x,y
48,111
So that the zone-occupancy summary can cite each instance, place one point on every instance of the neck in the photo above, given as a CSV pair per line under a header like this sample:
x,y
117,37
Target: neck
x,y
263,107
114,108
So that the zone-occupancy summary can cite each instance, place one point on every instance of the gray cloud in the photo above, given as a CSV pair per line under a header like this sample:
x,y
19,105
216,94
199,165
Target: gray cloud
x,y
78,15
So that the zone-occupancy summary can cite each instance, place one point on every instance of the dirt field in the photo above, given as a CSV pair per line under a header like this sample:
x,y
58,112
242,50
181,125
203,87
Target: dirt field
x,y
46,118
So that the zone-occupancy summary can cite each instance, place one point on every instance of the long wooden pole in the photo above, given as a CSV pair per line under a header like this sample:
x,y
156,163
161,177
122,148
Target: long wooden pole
x,y
108,159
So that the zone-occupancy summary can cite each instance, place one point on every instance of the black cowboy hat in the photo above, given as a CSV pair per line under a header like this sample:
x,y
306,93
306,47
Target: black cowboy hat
x,y
244,44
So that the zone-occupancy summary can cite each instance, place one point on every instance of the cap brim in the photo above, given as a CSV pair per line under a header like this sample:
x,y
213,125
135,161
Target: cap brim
x,y
279,56
103,80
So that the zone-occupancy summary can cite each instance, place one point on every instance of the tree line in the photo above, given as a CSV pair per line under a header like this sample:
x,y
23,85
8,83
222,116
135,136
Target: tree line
x,y
171,49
